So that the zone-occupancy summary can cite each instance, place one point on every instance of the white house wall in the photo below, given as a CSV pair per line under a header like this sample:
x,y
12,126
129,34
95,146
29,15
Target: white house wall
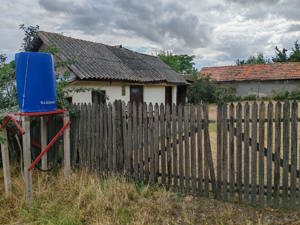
x,y
263,88
152,93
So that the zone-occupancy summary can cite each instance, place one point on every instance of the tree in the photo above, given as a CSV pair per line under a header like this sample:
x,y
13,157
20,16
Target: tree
x,y
295,54
281,55
8,94
31,34
180,63
259,59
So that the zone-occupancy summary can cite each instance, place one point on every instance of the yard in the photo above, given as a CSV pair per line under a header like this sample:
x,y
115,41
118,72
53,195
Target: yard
x,y
89,199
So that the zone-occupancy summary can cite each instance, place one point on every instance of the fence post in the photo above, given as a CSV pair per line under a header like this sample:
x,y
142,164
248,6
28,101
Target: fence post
x,y
5,163
44,143
269,153
67,150
261,152
246,152
254,154
277,153
27,160
219,150
286,146
225,152
294,137
231,152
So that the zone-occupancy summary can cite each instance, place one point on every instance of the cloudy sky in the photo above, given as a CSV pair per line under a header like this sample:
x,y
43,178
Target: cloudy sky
x,y
217,32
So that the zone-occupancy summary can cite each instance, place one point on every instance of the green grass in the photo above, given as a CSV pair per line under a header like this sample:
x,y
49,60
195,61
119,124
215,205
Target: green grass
x,y
89,199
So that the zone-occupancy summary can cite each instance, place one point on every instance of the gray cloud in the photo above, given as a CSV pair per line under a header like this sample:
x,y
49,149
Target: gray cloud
x,y
293,28
217,32
156,21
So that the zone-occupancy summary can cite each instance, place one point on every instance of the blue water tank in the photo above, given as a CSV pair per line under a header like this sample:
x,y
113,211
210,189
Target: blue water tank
x,y
36,85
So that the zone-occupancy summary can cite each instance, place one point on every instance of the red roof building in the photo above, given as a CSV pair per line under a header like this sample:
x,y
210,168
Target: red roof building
x,y
260,80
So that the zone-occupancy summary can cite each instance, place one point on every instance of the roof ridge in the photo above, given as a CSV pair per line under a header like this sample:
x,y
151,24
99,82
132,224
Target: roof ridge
x,y
249,65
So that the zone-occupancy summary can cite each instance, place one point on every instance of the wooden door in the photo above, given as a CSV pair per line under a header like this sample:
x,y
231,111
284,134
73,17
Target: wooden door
x,y
136,94
168,96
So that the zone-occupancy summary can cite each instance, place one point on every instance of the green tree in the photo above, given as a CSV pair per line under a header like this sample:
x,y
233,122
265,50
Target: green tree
x,y
30,35
8,95
180,63
295,54
259,59
281,55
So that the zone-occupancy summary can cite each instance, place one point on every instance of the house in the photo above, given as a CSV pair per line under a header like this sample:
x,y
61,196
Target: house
x,y
260,80
115,71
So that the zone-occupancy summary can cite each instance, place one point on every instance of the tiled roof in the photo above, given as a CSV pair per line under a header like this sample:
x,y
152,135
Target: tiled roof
x,y
276,71
104,62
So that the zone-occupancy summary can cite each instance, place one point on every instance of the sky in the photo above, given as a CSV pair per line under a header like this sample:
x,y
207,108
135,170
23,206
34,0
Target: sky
x,y
216,32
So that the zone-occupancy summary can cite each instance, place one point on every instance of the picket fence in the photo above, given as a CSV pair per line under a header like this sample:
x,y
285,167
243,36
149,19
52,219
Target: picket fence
x,y
249,153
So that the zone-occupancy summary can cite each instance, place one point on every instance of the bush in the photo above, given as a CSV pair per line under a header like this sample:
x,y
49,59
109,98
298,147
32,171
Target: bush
x,y
205,90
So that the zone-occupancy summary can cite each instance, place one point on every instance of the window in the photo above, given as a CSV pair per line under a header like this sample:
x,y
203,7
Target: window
x,y
69,100
123,90
98,96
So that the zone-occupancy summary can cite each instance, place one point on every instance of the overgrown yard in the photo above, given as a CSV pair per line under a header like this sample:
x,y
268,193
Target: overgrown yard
x,y
89,199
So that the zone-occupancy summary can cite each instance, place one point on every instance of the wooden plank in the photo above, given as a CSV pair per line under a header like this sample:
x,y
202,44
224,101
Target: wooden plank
x,y
44,141
219,149
100,142
239,162
124,133
168,146
67,149
193,149
261,152
224,153
199,147
294,145
27,160
88,136
207,151
129,140
156,141
174,142
286,146
180,150
114,137
5,163
151,142
109,138
81,136
140,141
187,147
162,144
231,152
92,136
246,152
135,141
277,153
146,143
270,151
105,136
119,136
254,154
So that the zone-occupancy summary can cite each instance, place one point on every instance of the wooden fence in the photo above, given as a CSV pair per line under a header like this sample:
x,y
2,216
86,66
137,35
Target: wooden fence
x,y
249,154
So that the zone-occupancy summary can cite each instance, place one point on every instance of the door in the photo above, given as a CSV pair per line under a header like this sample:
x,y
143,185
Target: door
x,y
136,94
168,96
98,96
181,94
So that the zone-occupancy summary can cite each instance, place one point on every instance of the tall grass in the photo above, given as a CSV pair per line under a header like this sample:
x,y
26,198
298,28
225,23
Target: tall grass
x,y
89,199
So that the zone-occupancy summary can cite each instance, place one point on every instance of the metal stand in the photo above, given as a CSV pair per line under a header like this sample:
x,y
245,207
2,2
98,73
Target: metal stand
x,y
28,165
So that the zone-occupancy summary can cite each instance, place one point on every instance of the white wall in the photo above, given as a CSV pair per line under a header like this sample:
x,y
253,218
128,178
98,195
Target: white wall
x,y
152,93
115,93
263,88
